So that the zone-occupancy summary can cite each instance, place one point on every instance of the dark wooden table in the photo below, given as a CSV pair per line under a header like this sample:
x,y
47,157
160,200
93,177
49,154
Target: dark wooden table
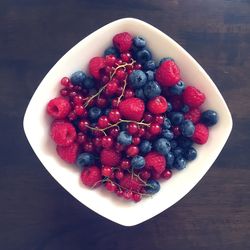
x,y
36,213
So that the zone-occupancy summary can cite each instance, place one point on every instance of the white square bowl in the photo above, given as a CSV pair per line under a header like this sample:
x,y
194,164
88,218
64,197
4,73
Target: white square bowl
x,y
36,124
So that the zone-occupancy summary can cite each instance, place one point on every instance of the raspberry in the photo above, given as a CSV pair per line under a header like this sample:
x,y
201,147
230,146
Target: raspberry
x,y
68,153
193,115
155,162
91,176
63,133
132,108
131,183
109,157
123,41
168,74
58,107
157,105
193,97
201,134
96,64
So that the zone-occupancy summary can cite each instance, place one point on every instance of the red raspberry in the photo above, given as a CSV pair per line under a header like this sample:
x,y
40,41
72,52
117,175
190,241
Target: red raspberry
x,y
58,107
157,105
168,74
201,134
123,41
109,157
91,176
193,97
131,183
63,133
68,153
132,108
95,66
155,162
193,115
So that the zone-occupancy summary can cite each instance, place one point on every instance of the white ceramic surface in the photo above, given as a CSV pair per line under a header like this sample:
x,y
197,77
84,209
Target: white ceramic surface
x,y
99,200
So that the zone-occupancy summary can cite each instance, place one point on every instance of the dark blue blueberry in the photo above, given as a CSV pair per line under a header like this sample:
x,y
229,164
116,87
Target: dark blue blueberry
x,y
152,186
173,144
187,128
209,117
190,154
123,126
137,79
166,124
145,147
150,75
180,163
170,159
152,89
185,108
78,77
168,134
89,83
170,107
124,138
92,91
106,111
140,94
178,151
176,118
85,159
94,113
143,56
139,42
165,59
111,51
184,142
149,65
138,162
162,146
178,88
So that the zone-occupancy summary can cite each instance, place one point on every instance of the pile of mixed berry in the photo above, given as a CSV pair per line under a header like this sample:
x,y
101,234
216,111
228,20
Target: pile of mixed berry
x,y
130,121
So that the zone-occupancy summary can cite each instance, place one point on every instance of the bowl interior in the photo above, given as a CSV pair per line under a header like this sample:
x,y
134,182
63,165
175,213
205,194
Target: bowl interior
x,y
67,175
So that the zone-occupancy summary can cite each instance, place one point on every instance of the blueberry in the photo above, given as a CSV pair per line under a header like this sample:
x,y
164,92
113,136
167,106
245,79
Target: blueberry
x,y
139,42
170,107
150,75
185,108
152,89
143,56
209,117
89,83
187,128
145,147
124,138
176,118
165,59
85,159
184,142
149,65
137,79
178,88
168,134
170,159
106,111
173,144
152,186
162,146
94,113
140,94
166,124
111,51
78,77
180,163
178,151
138,162
123,126
190,154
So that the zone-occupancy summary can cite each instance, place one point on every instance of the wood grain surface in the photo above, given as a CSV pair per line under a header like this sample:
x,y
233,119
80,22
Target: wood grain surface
x,y
36,213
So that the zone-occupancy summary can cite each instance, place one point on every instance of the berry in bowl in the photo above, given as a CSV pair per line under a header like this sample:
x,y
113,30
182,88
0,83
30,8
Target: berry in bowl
x,y
127,126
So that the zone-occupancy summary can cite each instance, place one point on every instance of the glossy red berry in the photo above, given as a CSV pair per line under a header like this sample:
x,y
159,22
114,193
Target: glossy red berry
x,y
155,128
141,131
65,81
127,194
132,128
111,186
132,150
110,60
107,141
166,174
129,93
145,174
119,174
137,66
72,116
83,125
119,147
115,103
88,147
136,140
147,117
114,115
101,102
113,132
126,57
136,197
119,192
64,92
159,119
81,138
125,164
107,171
97,141
103,122
176,131
79,110
111,88
120,74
